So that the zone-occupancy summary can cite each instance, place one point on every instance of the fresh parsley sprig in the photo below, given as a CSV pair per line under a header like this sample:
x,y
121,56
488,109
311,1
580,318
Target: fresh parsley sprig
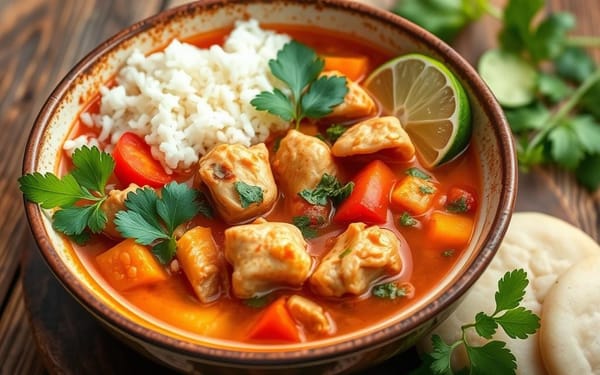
x,y
311,96
152,219
328,188
515,320
79,194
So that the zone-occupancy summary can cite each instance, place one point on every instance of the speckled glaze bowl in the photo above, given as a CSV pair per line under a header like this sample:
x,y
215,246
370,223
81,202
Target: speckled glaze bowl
x,y
491,139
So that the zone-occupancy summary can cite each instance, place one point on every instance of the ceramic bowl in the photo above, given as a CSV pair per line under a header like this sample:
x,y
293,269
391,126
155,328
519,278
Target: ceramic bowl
x,y
491,139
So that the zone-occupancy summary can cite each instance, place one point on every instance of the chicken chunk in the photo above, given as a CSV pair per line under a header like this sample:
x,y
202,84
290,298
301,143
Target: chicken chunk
x,y
113,204
312,316
266,256
358,257
239,180
373,135
201,262
300,162
357,102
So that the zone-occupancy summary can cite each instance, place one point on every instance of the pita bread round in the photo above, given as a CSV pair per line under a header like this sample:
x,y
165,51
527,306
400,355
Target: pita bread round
x,y
544,247
569,337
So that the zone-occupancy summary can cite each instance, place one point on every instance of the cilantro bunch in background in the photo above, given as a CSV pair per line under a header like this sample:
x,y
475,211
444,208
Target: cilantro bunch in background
x,y
547,83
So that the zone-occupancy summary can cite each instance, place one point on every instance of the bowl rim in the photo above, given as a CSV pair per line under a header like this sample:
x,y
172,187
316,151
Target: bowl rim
x,y
306,355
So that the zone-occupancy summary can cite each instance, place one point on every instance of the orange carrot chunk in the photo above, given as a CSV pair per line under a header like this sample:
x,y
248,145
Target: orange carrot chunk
x,y
275,324
450,229
413,194
353,67
129,265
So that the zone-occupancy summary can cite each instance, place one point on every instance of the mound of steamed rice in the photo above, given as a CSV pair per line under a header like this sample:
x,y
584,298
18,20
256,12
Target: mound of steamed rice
x,y
184,100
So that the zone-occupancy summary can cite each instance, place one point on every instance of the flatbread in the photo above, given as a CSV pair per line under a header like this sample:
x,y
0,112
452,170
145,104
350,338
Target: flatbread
x,y
544,247
570,333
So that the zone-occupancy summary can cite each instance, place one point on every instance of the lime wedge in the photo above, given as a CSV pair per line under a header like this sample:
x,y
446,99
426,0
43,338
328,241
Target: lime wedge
x,y
430,103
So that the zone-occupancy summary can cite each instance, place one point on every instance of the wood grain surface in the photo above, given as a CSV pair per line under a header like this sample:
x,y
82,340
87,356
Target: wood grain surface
x,y
40,41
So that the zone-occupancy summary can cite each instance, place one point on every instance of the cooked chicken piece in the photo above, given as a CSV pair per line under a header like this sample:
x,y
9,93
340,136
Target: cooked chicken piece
x,y
113,204
233,175
312,316
373,135
301,161
201,262
357,102
266,256
359,256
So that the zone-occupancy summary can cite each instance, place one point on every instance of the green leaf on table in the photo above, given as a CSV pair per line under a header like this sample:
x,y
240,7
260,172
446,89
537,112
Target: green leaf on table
x,y
485,325
565,147
516,34
511,290
525,119
493,355
519,323
441,356
550,37
575,64
589,101
552,87
587,130
588,172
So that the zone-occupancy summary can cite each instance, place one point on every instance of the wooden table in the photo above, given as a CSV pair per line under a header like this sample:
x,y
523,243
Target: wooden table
x,y
40,40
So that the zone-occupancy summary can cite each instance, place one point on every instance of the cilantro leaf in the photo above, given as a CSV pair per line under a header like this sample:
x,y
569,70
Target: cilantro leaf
x,y
204,206
425,189
441,355
92,168
49,191
519,323
298,67
416,172
553,87
588,172
458,206
152,219
328,188
493,355
566,149
485,325
511,290
407,221
550,37
323,95
334,132
574,64
587,131
248,193
516,34
305,225
390,290
524,119
72,220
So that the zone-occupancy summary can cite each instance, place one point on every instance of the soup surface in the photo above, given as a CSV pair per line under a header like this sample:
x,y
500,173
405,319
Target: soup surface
x,y
312,270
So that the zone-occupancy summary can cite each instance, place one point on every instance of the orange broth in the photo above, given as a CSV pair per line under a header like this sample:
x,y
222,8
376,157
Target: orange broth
x,y
425,264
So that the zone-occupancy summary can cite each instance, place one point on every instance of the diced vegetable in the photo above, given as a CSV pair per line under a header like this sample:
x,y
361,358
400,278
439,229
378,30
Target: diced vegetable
x,y
134,163
353,67
460,201
276,324
446,229
413,194
369,201
129,265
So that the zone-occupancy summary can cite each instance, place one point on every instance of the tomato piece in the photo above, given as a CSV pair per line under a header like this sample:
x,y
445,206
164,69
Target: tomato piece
x,y
134,163
460,201
369,200
276,324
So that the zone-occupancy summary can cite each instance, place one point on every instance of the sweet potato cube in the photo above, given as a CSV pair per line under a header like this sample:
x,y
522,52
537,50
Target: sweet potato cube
x,y
448,229
129,265
413,194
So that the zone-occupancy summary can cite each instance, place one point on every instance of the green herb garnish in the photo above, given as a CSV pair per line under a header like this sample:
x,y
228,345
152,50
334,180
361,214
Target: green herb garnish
x,y
328,188
248,193
152,219
258,302
311,96
344,253
389,291
79,194
548,85
335,131
304,223
494,356
426,189
407,221
448,253
458,206
418,173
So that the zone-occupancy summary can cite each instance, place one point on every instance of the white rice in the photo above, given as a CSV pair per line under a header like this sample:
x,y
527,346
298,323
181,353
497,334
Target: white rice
x,y
185,100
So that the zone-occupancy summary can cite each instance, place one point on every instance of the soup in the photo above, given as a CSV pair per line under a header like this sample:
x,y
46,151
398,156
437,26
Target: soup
x,y
314,231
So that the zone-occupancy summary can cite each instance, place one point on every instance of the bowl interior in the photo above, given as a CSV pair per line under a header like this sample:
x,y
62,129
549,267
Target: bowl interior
x,y
491,140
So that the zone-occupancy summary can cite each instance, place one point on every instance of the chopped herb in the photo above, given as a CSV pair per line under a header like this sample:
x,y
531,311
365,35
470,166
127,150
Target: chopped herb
x,y
416,172
458,206
426,189
335,131
277,143
320,137
79,194
204,206
304,223
328,188
494,356
407,221
344,253
391,290
258,302
448,253
298,66
152,219
248,193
